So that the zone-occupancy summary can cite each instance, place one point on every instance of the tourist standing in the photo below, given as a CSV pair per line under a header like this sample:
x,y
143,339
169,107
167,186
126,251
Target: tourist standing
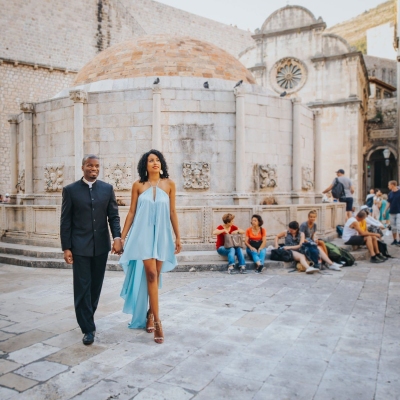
x,y
384,211
149,248
86,205
346,196
377,204
6,198
393,203
256,241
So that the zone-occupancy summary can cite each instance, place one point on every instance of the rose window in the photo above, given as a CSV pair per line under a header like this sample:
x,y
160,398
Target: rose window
x,y
289,75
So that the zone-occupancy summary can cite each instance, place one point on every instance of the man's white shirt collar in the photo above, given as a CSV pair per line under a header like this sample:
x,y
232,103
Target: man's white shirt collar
x,y
90,184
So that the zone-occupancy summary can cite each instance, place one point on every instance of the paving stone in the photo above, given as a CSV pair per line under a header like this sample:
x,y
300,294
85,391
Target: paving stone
x,y
32,353
75,354
7,366
16,382
41,370
65,339
160,391
5,335
254,320
24,340
7,394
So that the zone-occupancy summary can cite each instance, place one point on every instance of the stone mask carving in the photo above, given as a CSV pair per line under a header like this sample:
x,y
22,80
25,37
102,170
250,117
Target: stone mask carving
x,y
307,181
119,176
53,177
268,176
196,175
20,186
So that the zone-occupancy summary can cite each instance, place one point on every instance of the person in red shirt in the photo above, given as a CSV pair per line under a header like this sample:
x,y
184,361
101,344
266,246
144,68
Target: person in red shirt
x,y
221,231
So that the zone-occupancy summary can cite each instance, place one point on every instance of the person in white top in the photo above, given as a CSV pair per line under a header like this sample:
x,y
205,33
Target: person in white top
x,y
354,235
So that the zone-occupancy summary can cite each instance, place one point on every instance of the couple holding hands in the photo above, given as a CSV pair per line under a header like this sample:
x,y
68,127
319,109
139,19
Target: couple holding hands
x,y
145,244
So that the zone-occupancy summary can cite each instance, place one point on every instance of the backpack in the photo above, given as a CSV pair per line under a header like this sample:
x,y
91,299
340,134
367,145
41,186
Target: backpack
x,y
347,258
339,230
338,190
311,251
281,255
333,252
383,249
370,202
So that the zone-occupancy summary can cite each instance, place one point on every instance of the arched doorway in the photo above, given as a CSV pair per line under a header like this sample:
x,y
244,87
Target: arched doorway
x,y
378,172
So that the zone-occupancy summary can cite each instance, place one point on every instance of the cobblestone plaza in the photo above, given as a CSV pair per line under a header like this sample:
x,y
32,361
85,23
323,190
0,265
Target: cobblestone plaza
x,y
278,335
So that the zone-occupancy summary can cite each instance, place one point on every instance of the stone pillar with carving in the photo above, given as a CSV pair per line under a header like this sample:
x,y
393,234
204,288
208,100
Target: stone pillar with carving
x,y
240,178
78,97
318,155
27,133
13,120
296,149
156,138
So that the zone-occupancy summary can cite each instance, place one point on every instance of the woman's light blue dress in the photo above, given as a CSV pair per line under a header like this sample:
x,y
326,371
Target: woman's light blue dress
x,y
149,237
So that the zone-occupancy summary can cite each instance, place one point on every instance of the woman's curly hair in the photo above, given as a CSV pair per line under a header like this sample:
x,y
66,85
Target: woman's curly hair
x,y
142,165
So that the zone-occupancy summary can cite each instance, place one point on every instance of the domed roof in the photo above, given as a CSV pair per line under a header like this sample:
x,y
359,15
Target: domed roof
x,y
161,55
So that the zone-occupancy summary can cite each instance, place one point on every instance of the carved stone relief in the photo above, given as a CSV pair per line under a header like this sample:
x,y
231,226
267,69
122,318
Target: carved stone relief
x,y
268,176
53,177
307,181
119,176
196,175
20,186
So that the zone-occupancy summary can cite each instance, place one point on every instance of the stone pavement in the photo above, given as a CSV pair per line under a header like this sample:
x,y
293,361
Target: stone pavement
x,y
277,335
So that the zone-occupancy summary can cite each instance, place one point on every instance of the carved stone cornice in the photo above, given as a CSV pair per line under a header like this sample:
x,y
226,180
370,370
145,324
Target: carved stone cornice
x,y
239,91
27,107
156,88
13,118
78,96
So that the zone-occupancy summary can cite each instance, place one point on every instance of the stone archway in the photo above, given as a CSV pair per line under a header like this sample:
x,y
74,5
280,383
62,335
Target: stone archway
x,y
378,174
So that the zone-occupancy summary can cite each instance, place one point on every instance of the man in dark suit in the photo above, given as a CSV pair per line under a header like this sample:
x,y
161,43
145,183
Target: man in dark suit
x,y
85,240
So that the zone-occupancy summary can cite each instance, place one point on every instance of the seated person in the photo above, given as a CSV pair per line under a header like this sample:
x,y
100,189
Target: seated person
x,y
370,221
309,228
354,235
221,230
256,241
293,241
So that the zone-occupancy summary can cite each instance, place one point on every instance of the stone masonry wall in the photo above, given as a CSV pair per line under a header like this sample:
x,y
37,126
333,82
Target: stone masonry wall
x,y
18,84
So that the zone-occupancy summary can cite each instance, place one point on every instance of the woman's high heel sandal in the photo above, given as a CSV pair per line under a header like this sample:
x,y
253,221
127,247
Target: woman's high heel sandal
x,y
149,322
158,333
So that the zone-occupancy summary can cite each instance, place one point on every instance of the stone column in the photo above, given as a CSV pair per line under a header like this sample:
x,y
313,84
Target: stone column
x,y
296,150
78,97
156,138
13,120
27,133
318,155
240,170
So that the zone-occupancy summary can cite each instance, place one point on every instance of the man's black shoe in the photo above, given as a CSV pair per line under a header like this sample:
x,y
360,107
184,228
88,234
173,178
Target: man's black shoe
x,y
375,260
381,256
88,338
394,243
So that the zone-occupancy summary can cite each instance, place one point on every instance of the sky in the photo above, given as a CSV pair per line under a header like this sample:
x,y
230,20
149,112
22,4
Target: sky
x,y
250,14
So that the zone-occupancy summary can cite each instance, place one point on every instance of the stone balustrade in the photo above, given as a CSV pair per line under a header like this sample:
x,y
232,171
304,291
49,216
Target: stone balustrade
x,y
39,225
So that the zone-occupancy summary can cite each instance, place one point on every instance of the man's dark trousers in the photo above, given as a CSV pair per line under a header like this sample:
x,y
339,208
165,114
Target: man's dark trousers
x,y
86,214
88,281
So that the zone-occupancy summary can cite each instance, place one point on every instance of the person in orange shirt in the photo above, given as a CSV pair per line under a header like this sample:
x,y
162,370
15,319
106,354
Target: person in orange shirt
x,y
256,241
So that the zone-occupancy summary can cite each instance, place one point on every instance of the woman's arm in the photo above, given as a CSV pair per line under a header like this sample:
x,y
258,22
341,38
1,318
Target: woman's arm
x,y
277,237
238,230
264,241
247,243
219,231
132,210
174,216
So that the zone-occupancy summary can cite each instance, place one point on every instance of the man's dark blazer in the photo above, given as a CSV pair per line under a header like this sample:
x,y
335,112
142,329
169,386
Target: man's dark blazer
x,y
84,213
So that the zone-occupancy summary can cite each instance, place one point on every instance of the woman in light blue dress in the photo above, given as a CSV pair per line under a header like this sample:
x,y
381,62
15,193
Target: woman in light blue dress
x,y
149,248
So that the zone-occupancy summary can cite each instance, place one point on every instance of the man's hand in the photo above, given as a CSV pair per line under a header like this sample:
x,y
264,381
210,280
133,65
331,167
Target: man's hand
x,y
117,247
68,257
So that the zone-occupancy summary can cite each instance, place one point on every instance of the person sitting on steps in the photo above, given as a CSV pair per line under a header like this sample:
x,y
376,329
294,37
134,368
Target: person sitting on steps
x,y
256,241
354,235
221,231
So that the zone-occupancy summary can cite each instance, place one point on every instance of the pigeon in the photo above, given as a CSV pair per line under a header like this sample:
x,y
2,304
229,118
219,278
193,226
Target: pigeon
x,y
238,84
283,94
205,85
157,81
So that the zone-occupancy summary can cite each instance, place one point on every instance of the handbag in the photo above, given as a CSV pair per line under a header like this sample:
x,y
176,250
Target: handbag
x,y
235,240
255,243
